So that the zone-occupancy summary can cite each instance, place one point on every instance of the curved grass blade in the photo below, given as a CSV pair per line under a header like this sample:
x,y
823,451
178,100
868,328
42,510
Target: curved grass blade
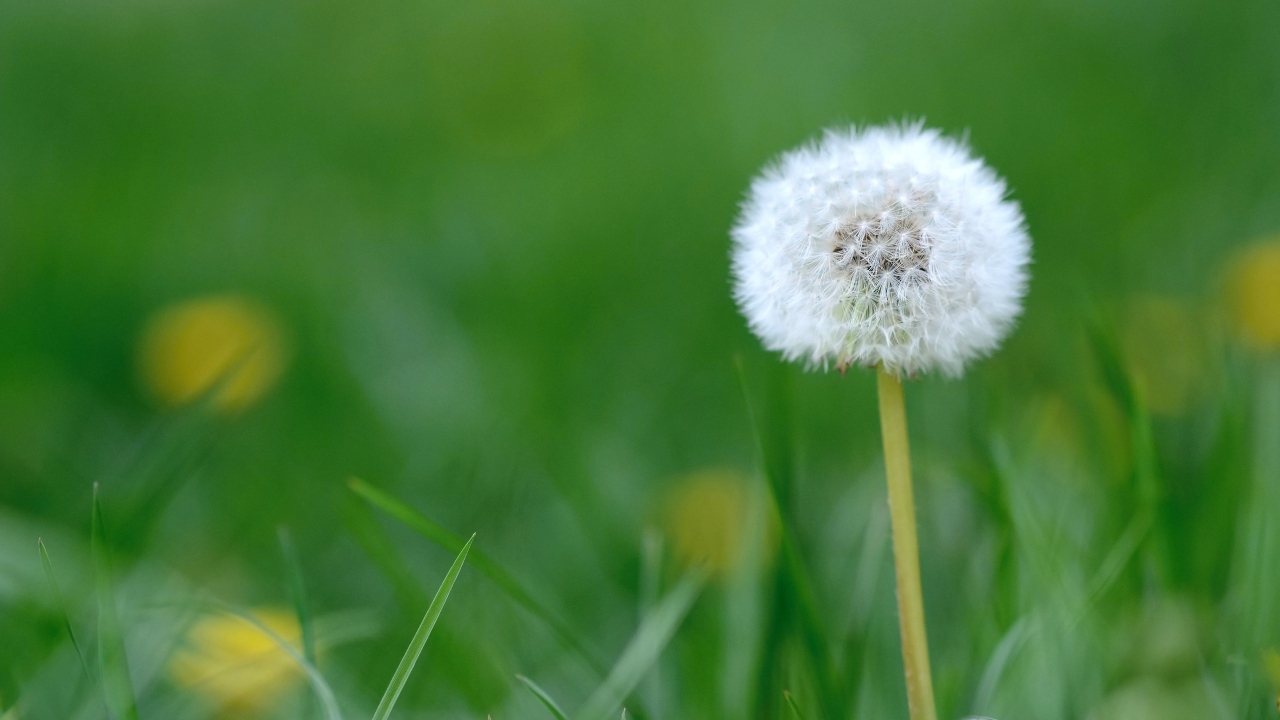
x,y
372,538
1000,658
113,663
542,695
401,675
62,607
318,683
655,631
298,592
448,540
1118,557
791,702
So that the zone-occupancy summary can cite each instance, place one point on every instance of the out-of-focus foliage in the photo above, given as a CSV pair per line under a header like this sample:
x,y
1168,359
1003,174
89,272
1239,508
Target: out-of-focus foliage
x,y
1168,344
494,237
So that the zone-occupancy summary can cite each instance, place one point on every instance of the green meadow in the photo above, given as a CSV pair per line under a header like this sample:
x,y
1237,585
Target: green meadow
x,y
379,360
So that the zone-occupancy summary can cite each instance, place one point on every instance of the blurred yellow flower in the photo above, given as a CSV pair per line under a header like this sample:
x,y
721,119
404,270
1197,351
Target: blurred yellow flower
x,y
234,664
1271,660
1253,287
709,518
1164,341
225,342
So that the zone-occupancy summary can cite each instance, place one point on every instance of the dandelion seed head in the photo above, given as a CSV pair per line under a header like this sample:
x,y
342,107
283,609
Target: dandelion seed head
x,y
886,245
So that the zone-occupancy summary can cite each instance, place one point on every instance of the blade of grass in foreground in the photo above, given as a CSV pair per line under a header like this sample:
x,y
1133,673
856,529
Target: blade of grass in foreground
x,y
644,649
401,675
791,702
113,663
446,539
62,607
368,531
542,695
293,573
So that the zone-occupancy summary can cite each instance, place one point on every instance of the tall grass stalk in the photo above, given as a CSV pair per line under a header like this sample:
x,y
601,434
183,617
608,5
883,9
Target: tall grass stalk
x,y
62,607
298,593
117,687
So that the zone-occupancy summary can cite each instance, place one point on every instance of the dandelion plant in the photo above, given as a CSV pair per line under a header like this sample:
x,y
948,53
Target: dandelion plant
x,y
893,248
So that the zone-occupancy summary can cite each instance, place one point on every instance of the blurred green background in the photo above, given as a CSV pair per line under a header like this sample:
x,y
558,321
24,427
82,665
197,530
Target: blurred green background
x,y
492,238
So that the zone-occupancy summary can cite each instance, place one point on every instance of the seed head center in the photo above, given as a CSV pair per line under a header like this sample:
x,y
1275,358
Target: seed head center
x,y
887,247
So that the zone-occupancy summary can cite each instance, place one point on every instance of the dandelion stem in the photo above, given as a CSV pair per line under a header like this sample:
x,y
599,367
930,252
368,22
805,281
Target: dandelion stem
x,y
906,551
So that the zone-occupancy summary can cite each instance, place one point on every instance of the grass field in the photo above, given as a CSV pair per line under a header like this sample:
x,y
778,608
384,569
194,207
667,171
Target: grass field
x,y
310,292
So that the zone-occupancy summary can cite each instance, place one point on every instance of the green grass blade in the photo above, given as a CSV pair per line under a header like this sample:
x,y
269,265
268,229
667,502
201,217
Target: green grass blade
x,y
298,592
372,538
318,683
401,675
542,695
1118,557
791,703
113,663
62,607
468,662
774,457
644,649
452,542
651,552
1003,654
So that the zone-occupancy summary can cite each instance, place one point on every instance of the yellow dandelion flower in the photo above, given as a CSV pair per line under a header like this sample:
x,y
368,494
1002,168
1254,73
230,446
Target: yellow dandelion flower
x,y
222,344
1253,288
709,519
1166,345
235,665
1271,660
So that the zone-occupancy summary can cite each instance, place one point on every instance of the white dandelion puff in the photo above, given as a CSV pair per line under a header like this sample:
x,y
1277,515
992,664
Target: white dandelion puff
x,y
890,246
